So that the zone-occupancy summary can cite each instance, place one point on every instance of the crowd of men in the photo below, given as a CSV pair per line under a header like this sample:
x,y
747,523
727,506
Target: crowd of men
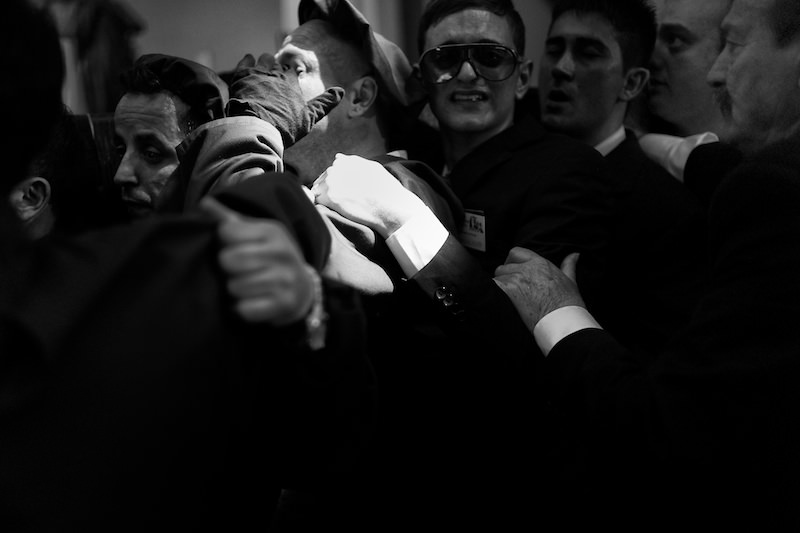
x,y
335,288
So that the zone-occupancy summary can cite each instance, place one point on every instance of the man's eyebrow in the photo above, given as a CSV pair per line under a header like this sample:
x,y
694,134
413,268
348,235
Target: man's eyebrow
x,y
151,138
674,28
591,41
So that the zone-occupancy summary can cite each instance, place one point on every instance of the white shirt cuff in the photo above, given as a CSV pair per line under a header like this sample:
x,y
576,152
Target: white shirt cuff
x,y
558,324
672,152
417,242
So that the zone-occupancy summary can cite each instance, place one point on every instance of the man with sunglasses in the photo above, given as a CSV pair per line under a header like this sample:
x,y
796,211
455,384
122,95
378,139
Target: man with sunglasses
x,y
519,184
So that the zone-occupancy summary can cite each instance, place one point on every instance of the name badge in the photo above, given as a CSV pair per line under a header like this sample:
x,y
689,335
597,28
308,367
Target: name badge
x,y
473,234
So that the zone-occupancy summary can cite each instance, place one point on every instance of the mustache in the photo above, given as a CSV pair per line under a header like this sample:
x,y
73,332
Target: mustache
x,y
723,99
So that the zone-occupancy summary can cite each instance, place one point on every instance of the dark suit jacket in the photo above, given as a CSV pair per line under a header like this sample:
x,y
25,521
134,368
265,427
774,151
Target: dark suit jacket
x,y
540,191
710,431
130,396
408,350
707,165
655,255
537,190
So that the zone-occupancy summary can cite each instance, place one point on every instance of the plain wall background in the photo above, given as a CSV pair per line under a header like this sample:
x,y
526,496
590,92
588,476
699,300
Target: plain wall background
x,y
218,33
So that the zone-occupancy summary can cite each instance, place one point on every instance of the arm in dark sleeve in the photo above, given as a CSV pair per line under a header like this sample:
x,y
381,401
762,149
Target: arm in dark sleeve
x,y
474,308
716,413
707,165
218,154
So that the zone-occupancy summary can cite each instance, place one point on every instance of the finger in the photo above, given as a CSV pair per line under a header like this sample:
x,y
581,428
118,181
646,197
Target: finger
x,y
570,265
500,280
320,106
276,309
247,61
320,186
321,179
340,157
253,256
506,270
262,310
262,282
220,212
254,231
521,255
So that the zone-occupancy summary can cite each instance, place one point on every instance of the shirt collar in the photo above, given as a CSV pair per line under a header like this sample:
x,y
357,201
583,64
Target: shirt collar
x,y
606,146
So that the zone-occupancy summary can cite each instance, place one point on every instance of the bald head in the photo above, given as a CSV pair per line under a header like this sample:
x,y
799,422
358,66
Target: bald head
x,y
321,58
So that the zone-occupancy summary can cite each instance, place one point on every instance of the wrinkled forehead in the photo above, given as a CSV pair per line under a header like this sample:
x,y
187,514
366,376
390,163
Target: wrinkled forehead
x,y
160,113
318,39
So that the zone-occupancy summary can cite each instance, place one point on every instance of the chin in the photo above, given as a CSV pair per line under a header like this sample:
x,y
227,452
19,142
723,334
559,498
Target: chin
x,y
136,213
557,124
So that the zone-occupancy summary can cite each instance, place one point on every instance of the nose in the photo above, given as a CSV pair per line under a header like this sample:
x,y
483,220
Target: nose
x,y
467,72
126,173
719,71
565,66
656,62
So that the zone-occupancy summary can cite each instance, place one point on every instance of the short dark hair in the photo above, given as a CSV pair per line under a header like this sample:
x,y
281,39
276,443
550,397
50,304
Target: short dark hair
x,y
31,56
634,22
784,19
437,10
200,88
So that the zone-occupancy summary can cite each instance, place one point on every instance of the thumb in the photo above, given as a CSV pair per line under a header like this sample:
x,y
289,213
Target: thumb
x,y
220,212
320,106
314,111
569,266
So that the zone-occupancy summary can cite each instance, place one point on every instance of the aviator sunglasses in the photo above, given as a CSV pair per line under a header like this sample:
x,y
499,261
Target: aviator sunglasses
x,y
492,62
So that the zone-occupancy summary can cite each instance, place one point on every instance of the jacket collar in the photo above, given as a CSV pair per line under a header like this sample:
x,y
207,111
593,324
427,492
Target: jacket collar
x,y
495,152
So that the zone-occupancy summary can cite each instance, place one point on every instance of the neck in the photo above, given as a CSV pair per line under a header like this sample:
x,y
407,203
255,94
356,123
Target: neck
x,y
312,156
42,224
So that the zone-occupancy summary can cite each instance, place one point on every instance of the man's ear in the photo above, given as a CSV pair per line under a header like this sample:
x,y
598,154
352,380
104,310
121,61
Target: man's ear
x,y
635,81
30,197
524,79
363,96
